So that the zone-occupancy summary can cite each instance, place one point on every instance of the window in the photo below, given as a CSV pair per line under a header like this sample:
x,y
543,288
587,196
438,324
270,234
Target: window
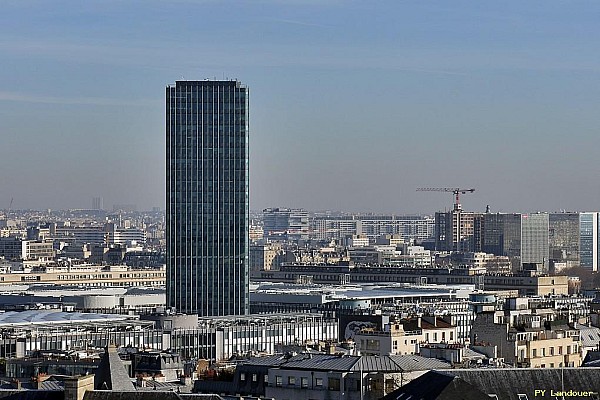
x,y
242,376
534,353
266,378
551,352
304,382
254,377
278,381
334,384
559,349
291,380
319,382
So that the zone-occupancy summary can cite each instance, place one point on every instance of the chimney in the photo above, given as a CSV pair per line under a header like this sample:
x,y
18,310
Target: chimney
x,y
76,386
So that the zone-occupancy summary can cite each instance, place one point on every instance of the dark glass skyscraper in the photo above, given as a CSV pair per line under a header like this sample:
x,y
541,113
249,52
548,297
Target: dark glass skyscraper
x,y
207,197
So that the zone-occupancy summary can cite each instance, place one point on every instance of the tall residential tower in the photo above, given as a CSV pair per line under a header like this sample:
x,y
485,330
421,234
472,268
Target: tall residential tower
x,y
207,197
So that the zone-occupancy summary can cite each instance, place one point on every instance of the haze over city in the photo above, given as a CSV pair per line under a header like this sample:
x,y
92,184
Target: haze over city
x,y
353,104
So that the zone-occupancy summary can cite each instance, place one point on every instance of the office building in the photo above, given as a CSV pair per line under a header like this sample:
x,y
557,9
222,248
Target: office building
x,y
564,239
588,240
335,228
502,234
285,224
534,240
458,230
207,197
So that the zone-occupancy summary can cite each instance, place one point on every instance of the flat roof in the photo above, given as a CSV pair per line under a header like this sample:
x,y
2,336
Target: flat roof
x,y
48,317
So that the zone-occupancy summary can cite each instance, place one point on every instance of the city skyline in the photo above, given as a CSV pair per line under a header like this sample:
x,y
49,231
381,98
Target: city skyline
x,y
357,103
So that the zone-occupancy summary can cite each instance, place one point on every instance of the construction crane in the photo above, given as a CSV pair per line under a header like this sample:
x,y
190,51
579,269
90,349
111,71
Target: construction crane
x,y
457,192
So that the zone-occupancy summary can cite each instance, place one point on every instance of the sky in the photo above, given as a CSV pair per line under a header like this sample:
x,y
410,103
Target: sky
x,y
353,104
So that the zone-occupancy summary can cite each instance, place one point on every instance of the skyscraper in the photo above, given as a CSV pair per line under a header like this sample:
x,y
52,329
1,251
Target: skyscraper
x,y
207,197
534,240
588,239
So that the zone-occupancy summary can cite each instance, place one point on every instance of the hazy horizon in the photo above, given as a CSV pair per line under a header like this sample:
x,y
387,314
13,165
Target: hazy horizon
x,y
353,105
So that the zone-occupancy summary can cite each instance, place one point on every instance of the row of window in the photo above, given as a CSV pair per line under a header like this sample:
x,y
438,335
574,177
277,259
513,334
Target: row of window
x,y
292,381
551,352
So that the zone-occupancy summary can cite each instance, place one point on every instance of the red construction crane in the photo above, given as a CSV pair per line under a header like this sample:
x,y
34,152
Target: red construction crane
x,y
456,191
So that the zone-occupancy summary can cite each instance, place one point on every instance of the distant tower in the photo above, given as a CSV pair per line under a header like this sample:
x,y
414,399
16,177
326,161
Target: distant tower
x,y
207,197
97,203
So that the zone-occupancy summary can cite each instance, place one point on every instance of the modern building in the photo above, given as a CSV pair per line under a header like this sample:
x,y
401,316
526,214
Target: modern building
x,y
502,234
524,238
285,224
588,240
15,248
525,284
534,240
97,203
458,230
328,228
207,197
408,227
564,239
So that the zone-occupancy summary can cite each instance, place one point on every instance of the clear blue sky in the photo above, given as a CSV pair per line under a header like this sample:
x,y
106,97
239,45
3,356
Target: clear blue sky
x,y
353,104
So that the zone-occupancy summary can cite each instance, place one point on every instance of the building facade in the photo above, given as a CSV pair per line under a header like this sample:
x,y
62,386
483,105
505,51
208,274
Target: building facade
x,y
285,224
458,230
564,239
534,240
207,197
588,240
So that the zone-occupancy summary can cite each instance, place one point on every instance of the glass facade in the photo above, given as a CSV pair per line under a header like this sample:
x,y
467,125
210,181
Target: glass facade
x,y
564,238
207,197
502,234
588,240
534,239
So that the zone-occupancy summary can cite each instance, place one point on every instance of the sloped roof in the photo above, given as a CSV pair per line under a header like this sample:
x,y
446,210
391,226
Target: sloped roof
x,y
435,385
327,362
590,335
374,363
125,395
111,373
506,383
592,359
14,394
50,384
320,362
472,354
409,363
